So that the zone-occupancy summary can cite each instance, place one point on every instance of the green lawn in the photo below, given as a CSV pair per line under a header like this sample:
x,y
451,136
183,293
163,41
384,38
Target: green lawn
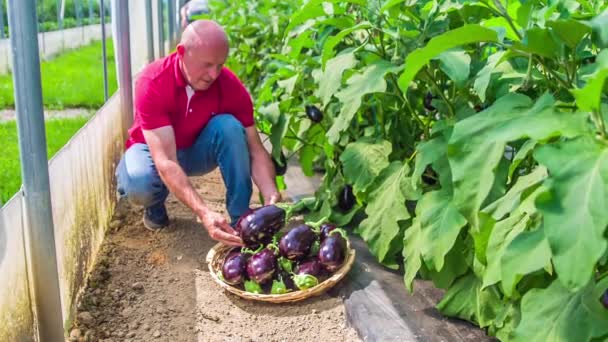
x,y
58,132
73,79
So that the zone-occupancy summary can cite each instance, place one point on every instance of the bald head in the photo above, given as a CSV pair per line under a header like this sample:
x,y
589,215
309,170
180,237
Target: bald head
x,y
202,52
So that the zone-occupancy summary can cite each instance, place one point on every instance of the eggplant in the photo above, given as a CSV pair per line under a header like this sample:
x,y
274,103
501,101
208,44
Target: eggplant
x,y
346,199
262,266
605,299
287,280
297,242
259,225
428,98
312,267
332,252
314,114
278,168
234,269
325,229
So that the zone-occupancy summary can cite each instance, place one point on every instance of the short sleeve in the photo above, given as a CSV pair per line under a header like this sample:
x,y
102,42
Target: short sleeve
x,y
239,101
150,106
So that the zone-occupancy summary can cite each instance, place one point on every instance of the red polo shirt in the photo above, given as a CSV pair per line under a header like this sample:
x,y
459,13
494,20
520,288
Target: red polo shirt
x,y
161,99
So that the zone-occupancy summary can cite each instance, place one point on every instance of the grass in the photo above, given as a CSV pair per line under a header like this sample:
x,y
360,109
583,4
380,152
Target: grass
x,y
73,79
58,132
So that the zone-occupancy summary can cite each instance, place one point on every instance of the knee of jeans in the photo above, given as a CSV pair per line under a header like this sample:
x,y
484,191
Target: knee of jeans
x,y
142,191
227,125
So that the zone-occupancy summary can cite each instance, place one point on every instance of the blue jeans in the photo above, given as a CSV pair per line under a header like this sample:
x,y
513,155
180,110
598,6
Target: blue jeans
x,y
222,143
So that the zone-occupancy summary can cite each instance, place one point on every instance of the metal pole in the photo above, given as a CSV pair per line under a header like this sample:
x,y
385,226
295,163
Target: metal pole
x,y
60,14
2,34
171,22
34,170
102,12
123,51
149,30
161,29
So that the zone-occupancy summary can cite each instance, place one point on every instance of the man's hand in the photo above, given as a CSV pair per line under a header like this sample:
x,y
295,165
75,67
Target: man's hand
x,y
220,230
272,198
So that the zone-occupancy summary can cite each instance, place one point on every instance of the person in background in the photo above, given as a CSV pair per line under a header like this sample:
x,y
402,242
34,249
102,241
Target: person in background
x,y
192,9
192,114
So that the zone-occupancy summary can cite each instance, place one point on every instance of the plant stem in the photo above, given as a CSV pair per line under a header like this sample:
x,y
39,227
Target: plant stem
x,y
597,116
434,84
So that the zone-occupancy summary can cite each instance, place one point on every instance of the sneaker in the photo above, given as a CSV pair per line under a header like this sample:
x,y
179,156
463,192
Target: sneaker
x,y
155,217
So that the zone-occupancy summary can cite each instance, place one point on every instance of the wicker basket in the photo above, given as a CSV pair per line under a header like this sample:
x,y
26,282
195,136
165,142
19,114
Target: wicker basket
x,y
215,259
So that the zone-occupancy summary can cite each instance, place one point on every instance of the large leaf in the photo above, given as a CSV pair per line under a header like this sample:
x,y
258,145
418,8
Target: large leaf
x,y
556,314
412,253
427,153
330,43
371,80
483,76
477,143
456,64
463,35
466,300
570,31
575,211
331,79
363,160
527,253
385,209
589,97
440,224
599,25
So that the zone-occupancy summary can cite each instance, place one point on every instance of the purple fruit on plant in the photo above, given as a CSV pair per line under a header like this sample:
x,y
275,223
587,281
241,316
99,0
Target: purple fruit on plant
x,y
314,114
296,243
428,98
346,199
262,266
234,269
312,267
325,229
332,252
605,299
259,225
280,167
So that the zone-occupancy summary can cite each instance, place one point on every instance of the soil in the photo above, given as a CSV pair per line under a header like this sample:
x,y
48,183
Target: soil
x,y
155,286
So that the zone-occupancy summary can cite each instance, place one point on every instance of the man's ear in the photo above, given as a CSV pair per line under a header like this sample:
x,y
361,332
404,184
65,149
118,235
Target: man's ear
x,y
181,50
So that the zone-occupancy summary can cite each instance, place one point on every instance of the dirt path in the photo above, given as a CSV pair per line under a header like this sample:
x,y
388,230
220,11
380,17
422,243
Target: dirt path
x,y
156,286
9,114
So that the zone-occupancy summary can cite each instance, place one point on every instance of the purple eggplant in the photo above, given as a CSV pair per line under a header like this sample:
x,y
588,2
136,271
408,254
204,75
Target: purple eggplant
x,y
262,266
314,114
312,267
234,269
605,299
332,252
297,242
259,225
346,200
325,229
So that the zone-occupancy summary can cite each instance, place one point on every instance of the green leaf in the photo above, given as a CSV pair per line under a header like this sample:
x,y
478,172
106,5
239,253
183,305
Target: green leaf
x,y
556,314
427,153
570,31
456,64
331,79
526,253
461,36
466,300
511,200
540,42
575,210
289,84
589,97
371,80
330,43
521,154
363,160
502,23
386,207
440,224
599,25
477,143
412,253
483,76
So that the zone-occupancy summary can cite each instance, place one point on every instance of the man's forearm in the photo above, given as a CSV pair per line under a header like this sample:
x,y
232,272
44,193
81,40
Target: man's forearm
x,y
178,183
263,173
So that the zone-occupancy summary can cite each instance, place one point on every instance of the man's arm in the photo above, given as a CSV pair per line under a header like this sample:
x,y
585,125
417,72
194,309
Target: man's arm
x,y
161,142
262,169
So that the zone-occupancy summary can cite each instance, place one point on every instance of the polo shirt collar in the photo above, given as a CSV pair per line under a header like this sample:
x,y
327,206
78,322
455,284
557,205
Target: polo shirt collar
x,y
179,77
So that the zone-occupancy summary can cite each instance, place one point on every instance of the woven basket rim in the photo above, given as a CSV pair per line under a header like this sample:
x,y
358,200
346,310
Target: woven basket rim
x,y
219,250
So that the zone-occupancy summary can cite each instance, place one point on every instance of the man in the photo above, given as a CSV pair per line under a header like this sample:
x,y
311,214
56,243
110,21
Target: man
x,y
192,115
